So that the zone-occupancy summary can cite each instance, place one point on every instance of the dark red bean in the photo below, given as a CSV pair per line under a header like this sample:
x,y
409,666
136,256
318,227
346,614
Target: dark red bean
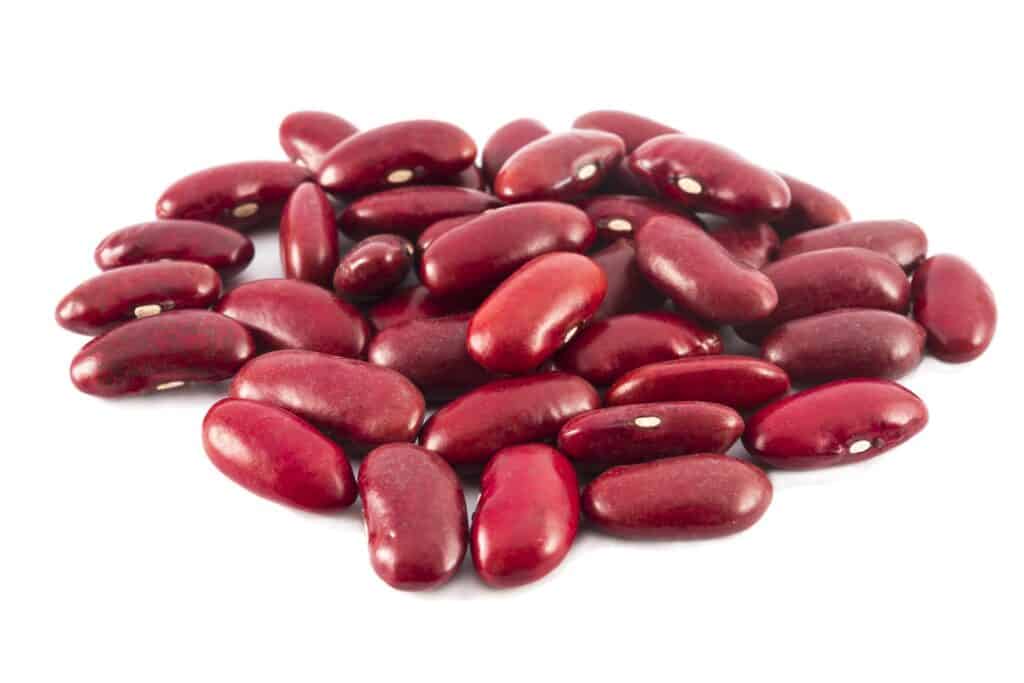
x,y
755,244
526,320
415,516
736,381
374,267
225,250
416,303
408,211
956,307
471,178
290,314
560,166
628,289
307,136
527,516
902,241
809,207
308,236
162,352
473,427
621,215
111,298
277,455
634,129
689,497
508,140
837,423
431,234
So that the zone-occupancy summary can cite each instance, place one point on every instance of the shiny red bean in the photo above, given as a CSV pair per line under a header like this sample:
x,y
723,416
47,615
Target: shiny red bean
x,y
162,352
809,207
374,267
307,136
277,455
634,129
417,303
621,215
689,497
560,166
755,244
308,236
415,516
837,423
471,178
432,233
508,140
225,250
408,211
956,307
628,289
902,241
111,298
527,516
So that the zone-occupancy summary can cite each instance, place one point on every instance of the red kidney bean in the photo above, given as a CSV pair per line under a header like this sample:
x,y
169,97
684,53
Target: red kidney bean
x,y
374,267
525,321
736,381
356,401
277,455
560,166
290,314
111,298
703,176
755,244
396,154
607,349
223,249
902,241
621,215
415,516
628,289
634,129
307,136
837,423
408,211
470,429
237,195
688,497
956,307
308,236
810,207
471,177
479,254
441,227
416,303
699,275
508,140
162,352
527,516
637,433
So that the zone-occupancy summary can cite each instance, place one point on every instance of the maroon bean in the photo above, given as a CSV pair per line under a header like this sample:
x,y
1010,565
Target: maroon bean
x,y
473,427
471,178
162,352
277,455
223,249
902,241
634,129
689,497
526,320
415,516
837,423
115,296
307,136
417,303
560,166
432,233
308,236
290,314
621,215
408,211
508,140
628,289
755,244
374,267
956,307
527,516
809,207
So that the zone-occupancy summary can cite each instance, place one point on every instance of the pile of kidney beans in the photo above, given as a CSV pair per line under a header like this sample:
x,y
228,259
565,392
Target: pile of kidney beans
x,y
608,256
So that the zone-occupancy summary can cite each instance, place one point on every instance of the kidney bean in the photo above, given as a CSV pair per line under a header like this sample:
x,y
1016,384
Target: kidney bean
x,y
441,227
308,236
902,241
415,516
525,321
470,429
115,296
291,314
527,516
408,211
809,207
621,215
607,349
634,129
374,267
560,166
753,243
396,154
162,352
417,303
508,140
736,381
356,401
238,195
956,307
688,497
223,249
628,289
471,178
277,455
307,136
479,254
837,423
699,275
703,176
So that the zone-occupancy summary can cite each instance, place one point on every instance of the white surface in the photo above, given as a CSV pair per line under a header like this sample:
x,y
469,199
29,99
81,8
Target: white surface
x,y
128,557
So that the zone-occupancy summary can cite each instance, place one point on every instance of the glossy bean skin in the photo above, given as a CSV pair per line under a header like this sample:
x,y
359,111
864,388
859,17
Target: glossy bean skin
x,y
479,254
902,241
355,401
374,267
853,342
307,136
445,225
162,352
703,176
290,314
628,289
417,303
508,140
116,296
308,237
755,244
700,275
810,207
837,423
633,129
527,516
225,250
277,455
400,153
471,178
525,321
559,167
637,433
238,195
736,381
415,516
689,497
621,215
473,427
956,307
408,211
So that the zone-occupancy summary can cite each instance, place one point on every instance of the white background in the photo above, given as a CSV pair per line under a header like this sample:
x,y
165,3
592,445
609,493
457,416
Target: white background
x,y
125,556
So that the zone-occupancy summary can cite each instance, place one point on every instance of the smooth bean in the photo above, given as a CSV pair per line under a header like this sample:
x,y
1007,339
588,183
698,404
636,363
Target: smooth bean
x,y
408,211
560,166
470,177
902,241
508,140
374,267
307,136
621,215
308,237
225,250
628,289
809,207
753,243
956,307
633,129
417,303
441,227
